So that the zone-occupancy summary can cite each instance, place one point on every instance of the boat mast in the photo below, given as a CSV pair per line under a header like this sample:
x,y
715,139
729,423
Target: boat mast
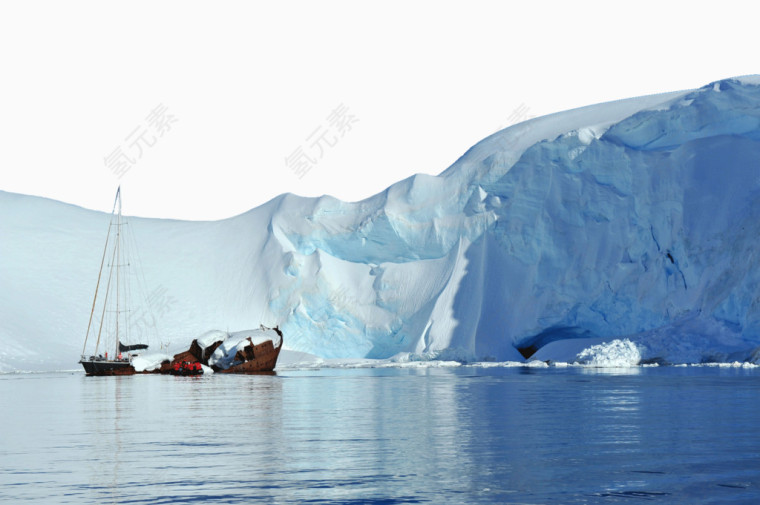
x,y
100,273
118,264
105,300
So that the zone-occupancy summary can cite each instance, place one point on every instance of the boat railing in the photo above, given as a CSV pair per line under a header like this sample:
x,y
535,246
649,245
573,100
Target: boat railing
x,y
85,357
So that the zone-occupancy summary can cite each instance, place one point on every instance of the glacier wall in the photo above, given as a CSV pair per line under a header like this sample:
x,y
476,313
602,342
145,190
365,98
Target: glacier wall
x,y
637,218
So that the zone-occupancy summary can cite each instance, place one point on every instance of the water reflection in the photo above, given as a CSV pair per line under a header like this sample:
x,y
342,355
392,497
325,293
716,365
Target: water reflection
x,y
158,433
102,408
367,423
589,370
356,436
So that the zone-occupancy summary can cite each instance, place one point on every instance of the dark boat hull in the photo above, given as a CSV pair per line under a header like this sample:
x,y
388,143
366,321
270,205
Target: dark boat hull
x,y
96,367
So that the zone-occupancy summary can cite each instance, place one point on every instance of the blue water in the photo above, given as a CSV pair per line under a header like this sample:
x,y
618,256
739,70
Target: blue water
x,y
452,435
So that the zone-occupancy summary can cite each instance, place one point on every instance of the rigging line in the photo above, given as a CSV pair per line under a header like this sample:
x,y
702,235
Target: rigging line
x,y
105,301
97,286
127,284
148,331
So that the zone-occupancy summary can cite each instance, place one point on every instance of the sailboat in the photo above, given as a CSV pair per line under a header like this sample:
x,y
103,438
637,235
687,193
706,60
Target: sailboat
x,y
111,356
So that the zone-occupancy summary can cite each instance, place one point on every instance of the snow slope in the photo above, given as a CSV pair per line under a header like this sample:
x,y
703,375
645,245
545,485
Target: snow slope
x,y
637,219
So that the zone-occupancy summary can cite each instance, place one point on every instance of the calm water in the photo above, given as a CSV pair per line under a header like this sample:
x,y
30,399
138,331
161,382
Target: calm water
x,y
456,435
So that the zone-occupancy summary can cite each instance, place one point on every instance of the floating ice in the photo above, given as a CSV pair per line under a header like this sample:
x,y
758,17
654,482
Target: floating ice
x,y
614,354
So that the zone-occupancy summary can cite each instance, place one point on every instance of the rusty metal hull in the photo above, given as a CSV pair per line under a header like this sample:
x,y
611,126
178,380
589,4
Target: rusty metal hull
x,y
263,361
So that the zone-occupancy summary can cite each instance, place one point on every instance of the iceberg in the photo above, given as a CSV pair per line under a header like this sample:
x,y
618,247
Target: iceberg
x,y
636,219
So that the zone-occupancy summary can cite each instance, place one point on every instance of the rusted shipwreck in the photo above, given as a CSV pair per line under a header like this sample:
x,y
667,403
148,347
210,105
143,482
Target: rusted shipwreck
x,y
258,357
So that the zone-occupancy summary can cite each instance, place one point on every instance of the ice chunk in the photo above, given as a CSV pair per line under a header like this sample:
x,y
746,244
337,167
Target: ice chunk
x,y
614,354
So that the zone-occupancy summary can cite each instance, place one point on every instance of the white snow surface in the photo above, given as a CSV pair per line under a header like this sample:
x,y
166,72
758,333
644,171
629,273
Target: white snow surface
x,y
634,219
149,362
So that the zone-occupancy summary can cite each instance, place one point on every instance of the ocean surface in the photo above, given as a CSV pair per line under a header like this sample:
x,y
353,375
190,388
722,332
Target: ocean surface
x,y
384,435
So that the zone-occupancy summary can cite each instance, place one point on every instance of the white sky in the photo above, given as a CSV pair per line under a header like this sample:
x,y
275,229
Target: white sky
x,y
247,84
